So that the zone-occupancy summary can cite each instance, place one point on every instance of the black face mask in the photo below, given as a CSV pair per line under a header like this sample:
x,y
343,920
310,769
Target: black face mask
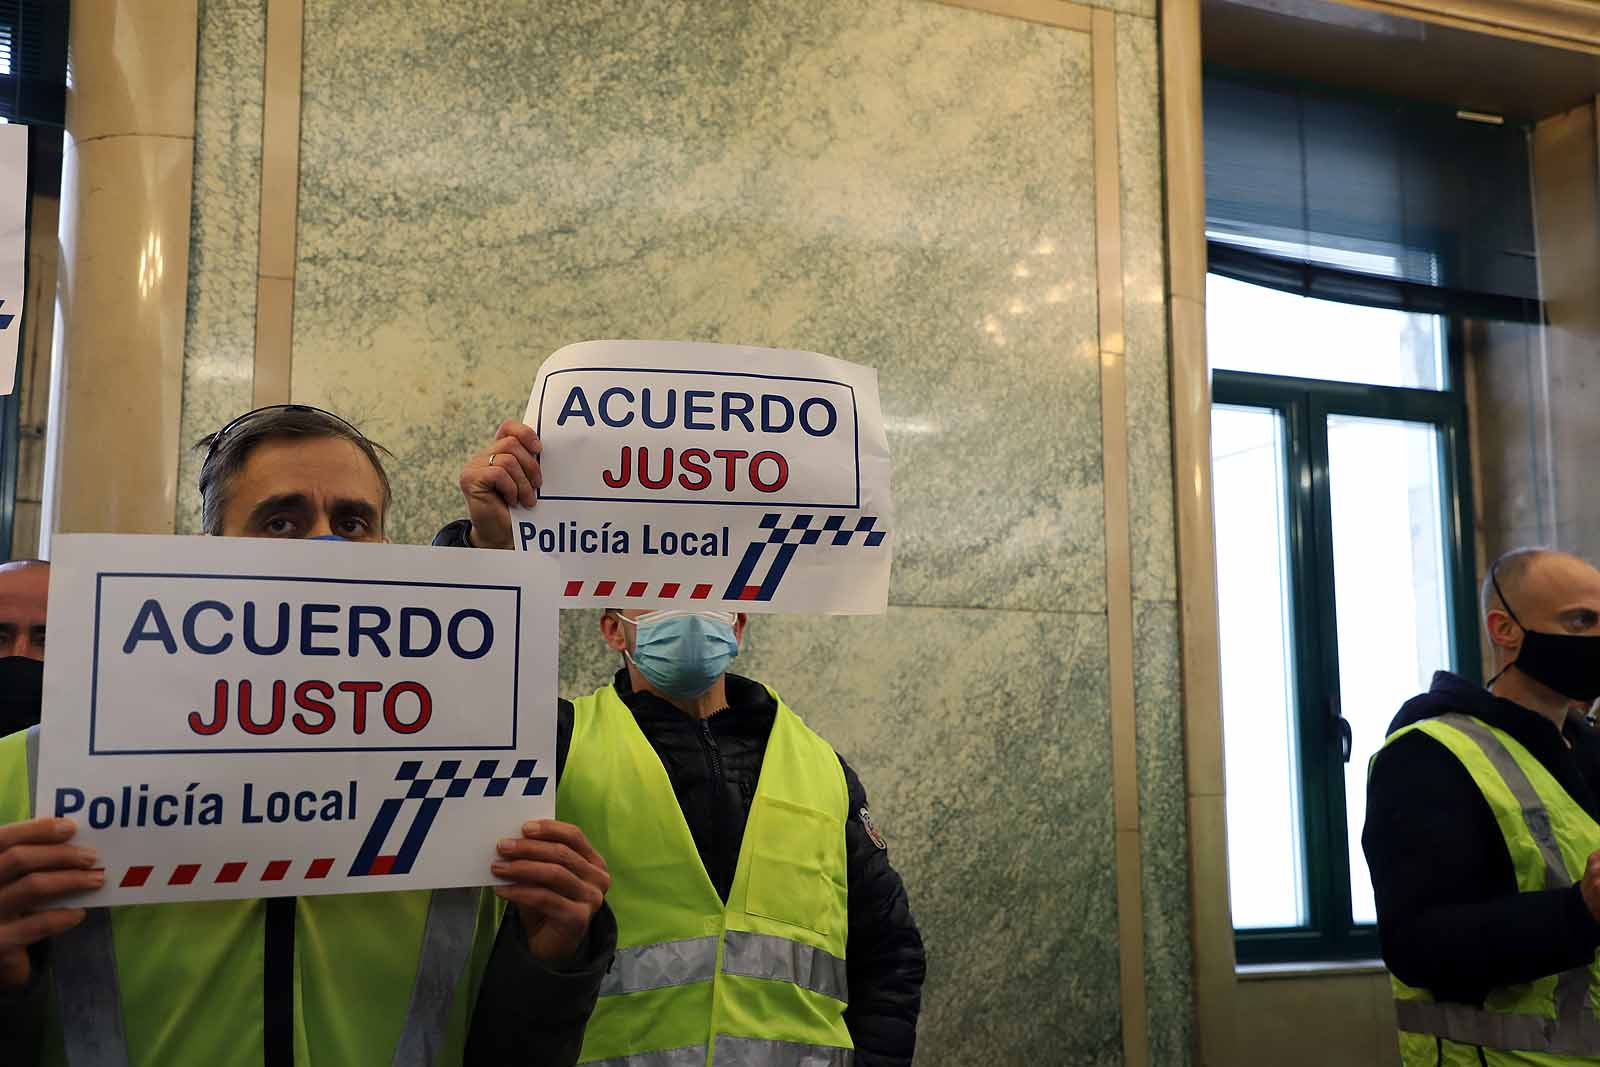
x,y
1567,663
21,691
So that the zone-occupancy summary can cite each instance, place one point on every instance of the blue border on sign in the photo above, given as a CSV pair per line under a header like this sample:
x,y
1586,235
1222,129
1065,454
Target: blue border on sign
x,y
855,421
94,676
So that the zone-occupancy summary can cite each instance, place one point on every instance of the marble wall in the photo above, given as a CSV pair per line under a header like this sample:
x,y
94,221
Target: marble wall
x,y
895,182
224,232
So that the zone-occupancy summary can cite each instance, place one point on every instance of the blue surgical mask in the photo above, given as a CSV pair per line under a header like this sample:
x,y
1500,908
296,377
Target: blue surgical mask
x,y
683,653
327,537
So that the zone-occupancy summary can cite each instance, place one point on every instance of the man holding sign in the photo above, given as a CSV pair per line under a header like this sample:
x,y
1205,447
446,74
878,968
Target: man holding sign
x,y
231,968
759,916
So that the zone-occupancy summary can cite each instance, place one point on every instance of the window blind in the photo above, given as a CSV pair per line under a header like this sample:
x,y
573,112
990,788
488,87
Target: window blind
x,y
1369,201
33,61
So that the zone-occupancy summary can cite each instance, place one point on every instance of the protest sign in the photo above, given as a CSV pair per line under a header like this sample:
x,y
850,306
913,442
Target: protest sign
x,y
243,718
687,475
13,246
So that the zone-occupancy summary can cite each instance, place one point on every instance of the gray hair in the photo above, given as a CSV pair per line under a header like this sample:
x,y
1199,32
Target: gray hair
x,y
229,449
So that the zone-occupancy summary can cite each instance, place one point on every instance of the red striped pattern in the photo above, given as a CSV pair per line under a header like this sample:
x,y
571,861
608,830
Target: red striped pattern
x,y
667,591
225,873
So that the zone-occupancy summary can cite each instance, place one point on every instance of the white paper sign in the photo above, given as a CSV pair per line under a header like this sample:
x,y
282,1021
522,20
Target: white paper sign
x,y
229,718
679,474
13,246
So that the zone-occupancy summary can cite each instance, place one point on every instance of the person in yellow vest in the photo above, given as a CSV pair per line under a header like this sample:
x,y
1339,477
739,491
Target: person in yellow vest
x,y
759,919
1482,835
442,977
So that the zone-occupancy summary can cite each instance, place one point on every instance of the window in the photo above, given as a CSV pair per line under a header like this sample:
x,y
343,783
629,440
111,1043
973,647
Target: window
x,y
1344,582
33,61
1350,239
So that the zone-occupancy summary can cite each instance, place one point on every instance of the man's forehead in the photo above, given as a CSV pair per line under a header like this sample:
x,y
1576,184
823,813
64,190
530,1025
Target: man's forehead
x,y
24,581
19,601
292,465
1562,579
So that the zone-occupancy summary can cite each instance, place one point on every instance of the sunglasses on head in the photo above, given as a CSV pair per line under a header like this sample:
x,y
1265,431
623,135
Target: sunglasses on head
x,y
218,437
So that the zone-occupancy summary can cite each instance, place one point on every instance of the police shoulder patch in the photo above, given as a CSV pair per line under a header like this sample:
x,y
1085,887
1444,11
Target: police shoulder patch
x,y
872,831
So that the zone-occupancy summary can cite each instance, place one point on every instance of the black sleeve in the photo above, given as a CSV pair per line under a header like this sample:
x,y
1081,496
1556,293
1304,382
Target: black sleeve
x,y
1449,914
22,1013
454,535
531,1013
528,1012
563,734
884,958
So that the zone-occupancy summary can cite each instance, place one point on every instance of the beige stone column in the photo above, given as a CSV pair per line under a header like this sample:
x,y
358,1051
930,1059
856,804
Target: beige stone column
x,y
1183,141
125,200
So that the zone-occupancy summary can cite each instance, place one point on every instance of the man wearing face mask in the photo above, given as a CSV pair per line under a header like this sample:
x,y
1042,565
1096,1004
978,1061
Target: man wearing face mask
x,y
756,906
1482,834
471,975
24,595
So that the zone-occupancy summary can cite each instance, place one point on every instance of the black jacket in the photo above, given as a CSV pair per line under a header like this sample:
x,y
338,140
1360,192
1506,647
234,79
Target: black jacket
x,y
1449,914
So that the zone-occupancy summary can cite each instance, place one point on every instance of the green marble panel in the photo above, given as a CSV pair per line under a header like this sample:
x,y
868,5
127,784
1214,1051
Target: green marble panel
x,y
899,183
1164,840
1150,490
224,232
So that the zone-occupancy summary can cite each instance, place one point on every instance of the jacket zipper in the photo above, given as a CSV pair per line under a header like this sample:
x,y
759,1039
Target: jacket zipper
x,y
714,761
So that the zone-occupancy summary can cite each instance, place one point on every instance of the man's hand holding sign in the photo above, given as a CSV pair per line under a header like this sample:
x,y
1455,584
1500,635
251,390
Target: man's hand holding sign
x,y
38,866
504,474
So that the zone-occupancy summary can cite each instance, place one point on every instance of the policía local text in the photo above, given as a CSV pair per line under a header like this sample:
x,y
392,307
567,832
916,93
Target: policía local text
x,y
140,806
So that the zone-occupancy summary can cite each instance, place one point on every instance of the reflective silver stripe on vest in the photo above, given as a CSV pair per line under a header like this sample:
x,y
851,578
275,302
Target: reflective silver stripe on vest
x,y
31,743
780,959
83,962
1575,1031
690,1056
83,968
446,946
753,1052
1533,813
1466,1025
661,965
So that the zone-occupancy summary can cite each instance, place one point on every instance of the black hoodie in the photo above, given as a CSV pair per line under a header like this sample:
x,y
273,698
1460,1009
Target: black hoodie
x,y
1449,914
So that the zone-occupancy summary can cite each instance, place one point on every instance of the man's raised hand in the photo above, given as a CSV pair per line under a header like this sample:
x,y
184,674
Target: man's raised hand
x,y
502,475
558,882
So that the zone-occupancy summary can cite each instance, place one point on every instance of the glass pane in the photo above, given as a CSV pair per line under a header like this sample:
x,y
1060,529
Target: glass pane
x,y
1390,591
1253,328
1266,859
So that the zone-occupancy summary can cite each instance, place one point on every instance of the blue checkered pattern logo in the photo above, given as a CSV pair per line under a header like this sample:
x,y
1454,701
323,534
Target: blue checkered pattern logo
x,y
448,777
831,531
431,790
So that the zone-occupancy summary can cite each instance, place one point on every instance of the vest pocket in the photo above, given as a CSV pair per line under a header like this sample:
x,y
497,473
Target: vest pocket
x,y
796,867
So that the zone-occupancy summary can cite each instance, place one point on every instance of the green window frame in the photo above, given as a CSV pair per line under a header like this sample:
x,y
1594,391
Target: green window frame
x,y
1305,404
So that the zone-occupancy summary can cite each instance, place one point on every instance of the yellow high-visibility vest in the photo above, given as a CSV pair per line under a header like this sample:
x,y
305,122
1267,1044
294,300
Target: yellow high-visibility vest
x,y
379,978
760,980
1550,1022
